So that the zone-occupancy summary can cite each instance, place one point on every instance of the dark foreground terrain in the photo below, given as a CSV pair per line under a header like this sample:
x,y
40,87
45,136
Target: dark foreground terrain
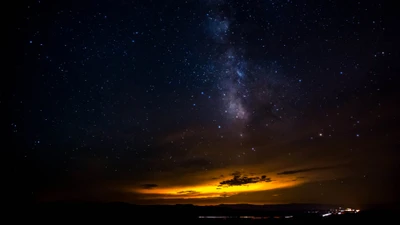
x,y
56,213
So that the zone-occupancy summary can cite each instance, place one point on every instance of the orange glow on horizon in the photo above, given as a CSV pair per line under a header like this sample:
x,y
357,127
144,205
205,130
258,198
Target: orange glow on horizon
x,y
211,190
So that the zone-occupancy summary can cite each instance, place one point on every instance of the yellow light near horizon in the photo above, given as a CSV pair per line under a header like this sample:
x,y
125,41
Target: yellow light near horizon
x,y
212,190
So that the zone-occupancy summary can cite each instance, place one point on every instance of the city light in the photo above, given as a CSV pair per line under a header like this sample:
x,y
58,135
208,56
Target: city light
x,y
340,211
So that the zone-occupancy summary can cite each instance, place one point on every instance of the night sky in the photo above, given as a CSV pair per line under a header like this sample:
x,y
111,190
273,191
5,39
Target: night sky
x,y
205,102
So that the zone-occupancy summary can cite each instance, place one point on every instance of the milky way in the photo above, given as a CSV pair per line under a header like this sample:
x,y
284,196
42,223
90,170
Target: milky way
x,y
242,84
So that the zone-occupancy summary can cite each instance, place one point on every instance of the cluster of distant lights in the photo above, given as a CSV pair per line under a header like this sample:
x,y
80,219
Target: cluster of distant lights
x,y
245,217
340,211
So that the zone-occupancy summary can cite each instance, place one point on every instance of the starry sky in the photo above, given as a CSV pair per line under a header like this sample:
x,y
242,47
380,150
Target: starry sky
x,y
205,102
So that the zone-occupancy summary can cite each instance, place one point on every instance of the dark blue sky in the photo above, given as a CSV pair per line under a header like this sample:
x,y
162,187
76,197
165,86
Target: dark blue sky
x,y
120,94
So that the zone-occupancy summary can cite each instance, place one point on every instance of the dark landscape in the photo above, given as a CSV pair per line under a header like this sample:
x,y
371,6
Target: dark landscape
x,y
240,213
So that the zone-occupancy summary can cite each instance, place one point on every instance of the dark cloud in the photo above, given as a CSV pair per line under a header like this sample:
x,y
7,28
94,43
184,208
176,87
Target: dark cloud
x,y
304,170
265,178
149,186
240,179
189,192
